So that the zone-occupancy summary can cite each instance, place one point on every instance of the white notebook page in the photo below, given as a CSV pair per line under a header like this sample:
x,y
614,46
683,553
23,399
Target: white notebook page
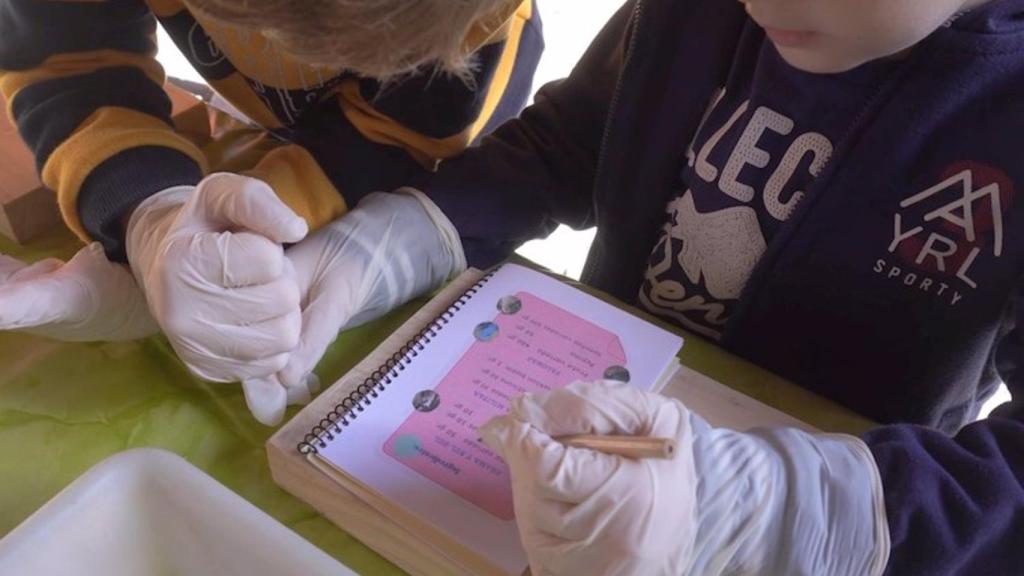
x,y
520,332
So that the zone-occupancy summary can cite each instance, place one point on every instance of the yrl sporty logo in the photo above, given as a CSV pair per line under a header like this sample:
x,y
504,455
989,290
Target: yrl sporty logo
x,y
940,233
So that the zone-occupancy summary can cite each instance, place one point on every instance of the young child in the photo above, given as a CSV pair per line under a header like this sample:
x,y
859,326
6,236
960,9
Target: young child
x,y
364,96
824,187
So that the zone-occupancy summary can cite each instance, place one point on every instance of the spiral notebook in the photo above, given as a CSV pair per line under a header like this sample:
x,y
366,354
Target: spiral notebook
x,y
403,440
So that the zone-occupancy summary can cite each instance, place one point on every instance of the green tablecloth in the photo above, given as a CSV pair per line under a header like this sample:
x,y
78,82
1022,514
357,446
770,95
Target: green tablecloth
x,y
65,407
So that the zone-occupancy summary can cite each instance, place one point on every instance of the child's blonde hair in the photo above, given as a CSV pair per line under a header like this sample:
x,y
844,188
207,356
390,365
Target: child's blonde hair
x,y
376,38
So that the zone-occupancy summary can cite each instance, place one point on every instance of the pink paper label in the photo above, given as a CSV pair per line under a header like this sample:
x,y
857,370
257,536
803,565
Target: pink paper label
x,y
529,346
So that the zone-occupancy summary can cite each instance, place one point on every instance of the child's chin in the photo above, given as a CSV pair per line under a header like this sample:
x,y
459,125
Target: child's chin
x,y
816,62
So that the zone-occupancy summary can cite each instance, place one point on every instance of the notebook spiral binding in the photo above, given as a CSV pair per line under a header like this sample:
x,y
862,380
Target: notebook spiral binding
x,y
364,395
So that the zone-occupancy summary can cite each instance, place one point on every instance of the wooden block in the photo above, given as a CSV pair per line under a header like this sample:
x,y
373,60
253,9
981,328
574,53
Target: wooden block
x,y
190,114
27,208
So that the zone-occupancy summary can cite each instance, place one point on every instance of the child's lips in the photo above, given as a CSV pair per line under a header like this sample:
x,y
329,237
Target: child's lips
x,y
789,38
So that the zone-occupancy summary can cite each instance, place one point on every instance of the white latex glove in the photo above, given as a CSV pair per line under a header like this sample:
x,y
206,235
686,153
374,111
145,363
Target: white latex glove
x,y
92,299
267,398
212,266
773,501
390,248
87,299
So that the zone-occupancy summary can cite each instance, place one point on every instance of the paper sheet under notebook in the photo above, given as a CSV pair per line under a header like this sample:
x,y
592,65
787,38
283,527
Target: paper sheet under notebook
x,y
521,332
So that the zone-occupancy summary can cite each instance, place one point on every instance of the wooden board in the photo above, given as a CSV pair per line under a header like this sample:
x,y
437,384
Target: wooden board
x,y
724,407
719,404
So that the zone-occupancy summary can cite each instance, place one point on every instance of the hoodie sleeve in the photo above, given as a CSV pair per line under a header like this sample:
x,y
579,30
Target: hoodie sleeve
x,y
539,169
955,505
85,91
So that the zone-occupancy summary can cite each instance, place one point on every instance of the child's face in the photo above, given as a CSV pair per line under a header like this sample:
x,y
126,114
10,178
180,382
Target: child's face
x,y
827,36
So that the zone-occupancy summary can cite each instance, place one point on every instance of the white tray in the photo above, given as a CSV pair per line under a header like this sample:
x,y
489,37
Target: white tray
x,y
148,511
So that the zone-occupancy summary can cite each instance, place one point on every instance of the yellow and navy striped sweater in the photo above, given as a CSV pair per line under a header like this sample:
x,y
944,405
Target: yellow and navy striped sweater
x,y
85,91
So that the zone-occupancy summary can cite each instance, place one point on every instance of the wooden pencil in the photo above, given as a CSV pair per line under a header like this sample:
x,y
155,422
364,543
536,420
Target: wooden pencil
x,y
627,446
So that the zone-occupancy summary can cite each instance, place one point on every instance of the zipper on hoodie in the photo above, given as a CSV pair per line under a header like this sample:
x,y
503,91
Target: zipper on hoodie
x,y
638,9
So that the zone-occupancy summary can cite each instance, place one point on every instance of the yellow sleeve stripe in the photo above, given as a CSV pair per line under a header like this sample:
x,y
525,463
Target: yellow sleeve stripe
x,y
76,64
505,65
290,170
496,28
165,8
382,129
102,135
297,179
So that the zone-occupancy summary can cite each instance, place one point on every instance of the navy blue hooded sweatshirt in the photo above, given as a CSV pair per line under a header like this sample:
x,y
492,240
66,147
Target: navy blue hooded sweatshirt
x,y
892,288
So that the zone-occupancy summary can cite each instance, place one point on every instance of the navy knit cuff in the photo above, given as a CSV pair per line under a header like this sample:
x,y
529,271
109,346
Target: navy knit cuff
x,y
125,180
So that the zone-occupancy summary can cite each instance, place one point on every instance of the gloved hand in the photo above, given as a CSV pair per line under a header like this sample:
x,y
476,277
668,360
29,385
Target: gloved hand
x,y
211,264
87,299
93,299
267,398
387,250
771,501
